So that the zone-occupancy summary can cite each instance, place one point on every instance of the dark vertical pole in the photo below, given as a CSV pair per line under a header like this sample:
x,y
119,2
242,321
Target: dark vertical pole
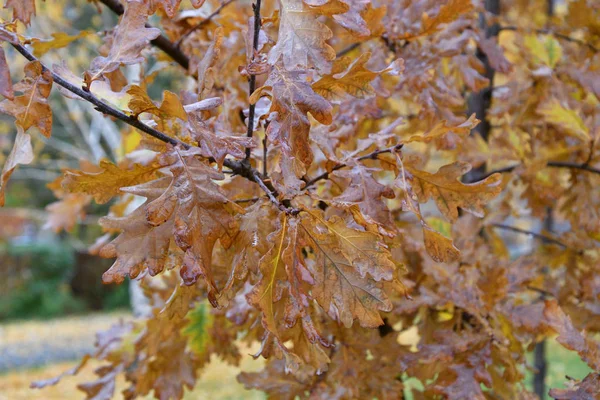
x,y
480,102
539,352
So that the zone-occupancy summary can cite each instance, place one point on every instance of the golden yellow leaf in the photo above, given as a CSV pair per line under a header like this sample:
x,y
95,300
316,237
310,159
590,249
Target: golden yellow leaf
x,y
543,50
439,247
564,118
170,107
104,185
59,40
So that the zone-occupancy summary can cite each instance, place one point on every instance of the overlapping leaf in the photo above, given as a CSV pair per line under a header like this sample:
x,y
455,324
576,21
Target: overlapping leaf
x,y
129,38
449,193
187,206
31,108
104,185
302,40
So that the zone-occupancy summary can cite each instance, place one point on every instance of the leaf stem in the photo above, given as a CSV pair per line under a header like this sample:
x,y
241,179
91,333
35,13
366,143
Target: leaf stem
x,y
552,164
544,238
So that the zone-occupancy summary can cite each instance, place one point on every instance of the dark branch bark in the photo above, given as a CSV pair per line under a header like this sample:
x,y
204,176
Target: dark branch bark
x,y
558,35
480,102
544,238
252,83
551,164
162,42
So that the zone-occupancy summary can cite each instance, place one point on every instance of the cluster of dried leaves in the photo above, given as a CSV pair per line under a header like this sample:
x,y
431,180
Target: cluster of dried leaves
x,y
326,210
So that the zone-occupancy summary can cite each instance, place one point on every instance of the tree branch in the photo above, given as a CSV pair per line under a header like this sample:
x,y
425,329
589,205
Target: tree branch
x,y
238,167
372,156
552,164
544,238
162,42
558,35
252,83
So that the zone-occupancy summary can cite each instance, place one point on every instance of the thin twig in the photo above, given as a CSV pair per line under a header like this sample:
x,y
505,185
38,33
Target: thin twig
x,y
203,22
372,156
252,83
347,50
552,164
162,42
250,200
271,194
545,238
558,35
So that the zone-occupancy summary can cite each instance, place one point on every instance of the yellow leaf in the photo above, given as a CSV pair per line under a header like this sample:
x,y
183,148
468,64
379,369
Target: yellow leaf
x,y
564,118
543,50
140,103
105,185
59,40
439,247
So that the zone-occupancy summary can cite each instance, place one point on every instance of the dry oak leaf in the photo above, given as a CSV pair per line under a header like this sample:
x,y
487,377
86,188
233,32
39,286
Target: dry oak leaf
x,y
23,10
570,337
215,143
130,37
302,39
6,86
104,185
448,12
364,191
292,99
170,107
21,153
188,206
442,129
282,296
449,193
357,16
587,389
348,269
31,108
439,247
171,6
352,77
64,213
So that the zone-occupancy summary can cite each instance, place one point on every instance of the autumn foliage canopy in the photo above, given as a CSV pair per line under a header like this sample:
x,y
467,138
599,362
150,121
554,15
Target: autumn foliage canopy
x,y
324,176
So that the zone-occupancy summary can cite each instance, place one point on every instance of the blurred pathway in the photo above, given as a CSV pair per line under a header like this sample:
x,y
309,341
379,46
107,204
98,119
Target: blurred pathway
x,y
37,343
